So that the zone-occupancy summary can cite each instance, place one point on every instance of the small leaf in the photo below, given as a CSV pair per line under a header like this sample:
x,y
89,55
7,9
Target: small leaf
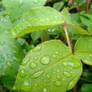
x,y
37,19
83,49
49,67
16,8
58,5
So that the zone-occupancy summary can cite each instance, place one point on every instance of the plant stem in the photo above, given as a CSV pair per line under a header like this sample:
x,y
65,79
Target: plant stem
x,y
71,1
87,5
67,35
44,34
75,90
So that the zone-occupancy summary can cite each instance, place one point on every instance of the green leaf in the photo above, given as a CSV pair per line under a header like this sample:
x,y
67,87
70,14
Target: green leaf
x,y
68,19
16,8
36,35
58,5
5,23
86,88
37,19
83,49
79,2
49,67
11,55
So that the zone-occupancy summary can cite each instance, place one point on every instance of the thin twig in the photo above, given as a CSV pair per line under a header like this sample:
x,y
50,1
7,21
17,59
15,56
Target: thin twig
x,y
71,2
87,5
67,35
75,90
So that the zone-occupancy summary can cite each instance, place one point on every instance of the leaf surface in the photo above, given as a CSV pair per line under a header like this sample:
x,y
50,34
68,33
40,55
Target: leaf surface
x,y
83,49
37,19
16,8
11,55
49,67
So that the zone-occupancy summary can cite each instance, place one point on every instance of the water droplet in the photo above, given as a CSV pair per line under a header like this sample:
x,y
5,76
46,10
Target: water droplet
x,y
22,73
67,74
58,83
37,48
26,86
45,60
44,90
37,74
56,52
32,65
48,76
9,63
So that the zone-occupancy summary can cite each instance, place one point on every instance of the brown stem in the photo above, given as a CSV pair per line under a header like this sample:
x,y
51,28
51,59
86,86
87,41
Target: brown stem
x,y
87,5
75,90
44,35
67,35
71,2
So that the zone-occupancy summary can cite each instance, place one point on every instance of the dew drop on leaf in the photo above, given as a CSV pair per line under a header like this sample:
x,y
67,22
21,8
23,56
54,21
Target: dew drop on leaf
x,y
22,73
45,60
37,74
44,90
58,83
67,74
32,65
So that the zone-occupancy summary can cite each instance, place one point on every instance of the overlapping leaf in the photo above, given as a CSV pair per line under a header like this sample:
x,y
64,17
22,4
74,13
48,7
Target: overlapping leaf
x,y
16,8
5,23
83,49
68,19
9,54
37,19
49,67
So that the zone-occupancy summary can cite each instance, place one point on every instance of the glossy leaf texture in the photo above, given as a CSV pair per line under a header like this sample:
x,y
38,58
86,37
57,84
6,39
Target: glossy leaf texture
x,y
66,16
49,67
11,55
83,49
5,23
37,19
16,8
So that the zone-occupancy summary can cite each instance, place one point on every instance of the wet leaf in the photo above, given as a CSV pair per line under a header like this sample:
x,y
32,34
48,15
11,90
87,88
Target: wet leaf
x,y
5,23
49,67
83,49
37,19
11,55
16,8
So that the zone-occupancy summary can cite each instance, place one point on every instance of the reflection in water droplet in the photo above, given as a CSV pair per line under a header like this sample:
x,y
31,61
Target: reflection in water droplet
x,y
32,65
37,74
58,83
45,60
